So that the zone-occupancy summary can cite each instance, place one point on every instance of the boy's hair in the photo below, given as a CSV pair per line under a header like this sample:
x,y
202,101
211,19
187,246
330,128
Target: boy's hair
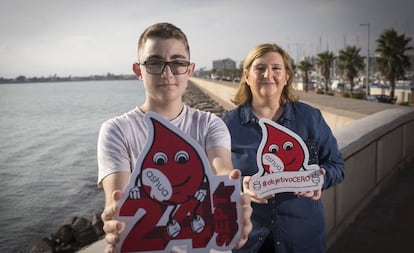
x,y
164,31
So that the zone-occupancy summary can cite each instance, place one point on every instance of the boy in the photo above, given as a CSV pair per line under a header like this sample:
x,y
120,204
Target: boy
x,y
164,67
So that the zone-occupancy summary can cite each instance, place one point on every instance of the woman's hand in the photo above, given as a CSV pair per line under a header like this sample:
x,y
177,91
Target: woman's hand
x,y
315,195
252,194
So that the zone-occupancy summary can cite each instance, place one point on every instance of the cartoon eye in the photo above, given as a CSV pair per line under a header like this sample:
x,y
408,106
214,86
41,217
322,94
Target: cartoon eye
x,y
288,145
273,148
181,157
160,158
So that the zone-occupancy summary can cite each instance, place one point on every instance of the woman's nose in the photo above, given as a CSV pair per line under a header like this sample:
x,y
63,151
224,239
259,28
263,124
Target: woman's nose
x,y
268,72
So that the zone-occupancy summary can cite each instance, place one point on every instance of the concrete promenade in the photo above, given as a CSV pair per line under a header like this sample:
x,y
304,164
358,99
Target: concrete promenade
x,y
223,93
386,224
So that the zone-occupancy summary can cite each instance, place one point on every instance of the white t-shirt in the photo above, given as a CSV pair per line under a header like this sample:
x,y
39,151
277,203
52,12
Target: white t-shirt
x,y
121,139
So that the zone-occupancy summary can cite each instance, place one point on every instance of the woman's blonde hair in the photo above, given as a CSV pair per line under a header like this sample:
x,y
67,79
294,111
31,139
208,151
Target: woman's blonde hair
x,y
244,94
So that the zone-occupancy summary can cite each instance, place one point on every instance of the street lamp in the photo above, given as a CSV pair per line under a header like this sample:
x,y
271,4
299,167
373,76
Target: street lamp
x,y
367,72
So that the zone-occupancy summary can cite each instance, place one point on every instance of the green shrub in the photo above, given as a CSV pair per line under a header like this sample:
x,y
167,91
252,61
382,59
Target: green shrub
x,y
354,95
358,95
320,91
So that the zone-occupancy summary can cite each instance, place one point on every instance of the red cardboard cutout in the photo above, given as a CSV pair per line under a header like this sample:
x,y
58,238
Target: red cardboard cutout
x,y
173,199
282,159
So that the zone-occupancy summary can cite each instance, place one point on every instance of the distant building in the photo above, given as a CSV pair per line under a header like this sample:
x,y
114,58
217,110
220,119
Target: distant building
x,y
224,64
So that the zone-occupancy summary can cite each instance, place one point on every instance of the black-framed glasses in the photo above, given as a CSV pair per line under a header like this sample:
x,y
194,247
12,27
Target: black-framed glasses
x,y
156,67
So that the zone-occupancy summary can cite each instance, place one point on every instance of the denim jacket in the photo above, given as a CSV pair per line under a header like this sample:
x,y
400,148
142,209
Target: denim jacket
x,y
295,222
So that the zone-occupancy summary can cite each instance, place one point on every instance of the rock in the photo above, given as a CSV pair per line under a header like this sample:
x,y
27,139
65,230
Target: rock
x,y
97,224
43,246
196,98
65,234
71,237
83,232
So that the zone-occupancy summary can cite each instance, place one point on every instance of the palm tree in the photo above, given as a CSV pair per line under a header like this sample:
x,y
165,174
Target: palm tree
x,y
351,63
293,65
305,66
392,59
324,62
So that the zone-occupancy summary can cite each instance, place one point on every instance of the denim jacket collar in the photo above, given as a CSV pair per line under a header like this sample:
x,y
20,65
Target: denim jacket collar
x,y
247,115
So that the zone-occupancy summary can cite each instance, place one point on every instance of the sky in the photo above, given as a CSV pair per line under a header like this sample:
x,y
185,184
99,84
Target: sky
x,y
88,37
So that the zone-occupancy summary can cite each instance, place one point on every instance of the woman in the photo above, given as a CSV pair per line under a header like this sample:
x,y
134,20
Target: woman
x,y
294,221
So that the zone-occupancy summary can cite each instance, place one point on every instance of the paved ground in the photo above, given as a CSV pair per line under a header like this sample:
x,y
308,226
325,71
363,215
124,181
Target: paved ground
x,y
387,224
362,107
223,92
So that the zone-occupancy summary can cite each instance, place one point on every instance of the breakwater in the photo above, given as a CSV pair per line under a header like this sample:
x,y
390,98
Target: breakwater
x,y
198,99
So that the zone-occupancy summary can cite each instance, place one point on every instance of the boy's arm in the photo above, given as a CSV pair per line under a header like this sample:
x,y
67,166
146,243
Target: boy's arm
x,y
220,160
113,185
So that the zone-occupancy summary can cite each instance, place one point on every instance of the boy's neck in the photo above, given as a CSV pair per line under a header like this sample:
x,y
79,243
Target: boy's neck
x,y
168,111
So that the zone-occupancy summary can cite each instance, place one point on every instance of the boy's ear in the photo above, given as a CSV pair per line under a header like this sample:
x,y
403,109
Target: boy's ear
x,y
137,70
191,69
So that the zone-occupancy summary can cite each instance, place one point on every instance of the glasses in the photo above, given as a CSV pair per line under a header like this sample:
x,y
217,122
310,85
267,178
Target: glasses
x,y
156,67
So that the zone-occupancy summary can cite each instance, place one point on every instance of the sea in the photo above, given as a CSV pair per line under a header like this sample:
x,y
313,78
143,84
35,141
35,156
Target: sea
x,y
48,165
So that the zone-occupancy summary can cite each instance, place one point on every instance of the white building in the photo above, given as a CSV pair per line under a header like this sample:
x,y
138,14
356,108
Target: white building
x,y
224,64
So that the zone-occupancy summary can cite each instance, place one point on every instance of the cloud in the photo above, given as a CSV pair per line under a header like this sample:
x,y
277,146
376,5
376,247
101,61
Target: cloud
x,y
86,37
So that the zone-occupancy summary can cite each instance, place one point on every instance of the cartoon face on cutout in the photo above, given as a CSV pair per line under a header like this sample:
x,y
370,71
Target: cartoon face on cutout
x,y
281,151
171,171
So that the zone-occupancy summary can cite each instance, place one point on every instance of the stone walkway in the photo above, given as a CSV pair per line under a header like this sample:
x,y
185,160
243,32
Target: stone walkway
x,y
387,224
